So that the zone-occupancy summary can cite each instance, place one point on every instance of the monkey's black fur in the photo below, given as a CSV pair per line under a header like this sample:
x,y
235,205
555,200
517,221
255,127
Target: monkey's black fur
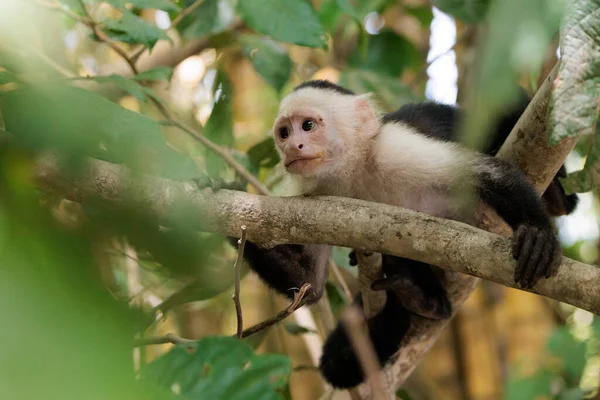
x,y
324,85
413,287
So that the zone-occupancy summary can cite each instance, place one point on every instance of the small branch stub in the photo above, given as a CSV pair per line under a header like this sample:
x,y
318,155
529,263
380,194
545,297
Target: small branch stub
x,y
236,289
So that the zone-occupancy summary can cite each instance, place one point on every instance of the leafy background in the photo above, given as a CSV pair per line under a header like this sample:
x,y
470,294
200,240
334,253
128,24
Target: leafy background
x,y
167,87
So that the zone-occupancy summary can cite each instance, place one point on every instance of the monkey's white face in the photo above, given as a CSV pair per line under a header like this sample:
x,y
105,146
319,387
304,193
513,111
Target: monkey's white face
x,y
302,140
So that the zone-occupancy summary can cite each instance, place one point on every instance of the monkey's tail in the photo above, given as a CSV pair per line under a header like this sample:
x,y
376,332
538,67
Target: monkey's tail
x,y
339,365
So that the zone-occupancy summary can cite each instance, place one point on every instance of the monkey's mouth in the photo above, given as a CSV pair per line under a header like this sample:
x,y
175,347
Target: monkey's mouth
x,y
300,160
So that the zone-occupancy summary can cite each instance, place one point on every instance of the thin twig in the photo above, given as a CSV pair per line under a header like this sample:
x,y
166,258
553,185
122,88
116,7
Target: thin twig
x,y
236,289
221,151
224,153
56,6
186,11
168,338
299,301
354,324
338,276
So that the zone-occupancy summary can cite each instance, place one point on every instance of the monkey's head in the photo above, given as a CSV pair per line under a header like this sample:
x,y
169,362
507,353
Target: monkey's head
x,y
320,126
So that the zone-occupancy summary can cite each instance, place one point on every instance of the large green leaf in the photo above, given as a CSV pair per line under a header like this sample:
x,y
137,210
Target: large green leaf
x,y
388,53
80,122
270,59
220,368
166,5
292,21
132,29
570,351
264,154
52,300
389,91
209,18
536,386
132,87
155,74
469,11
219,127
575,108
518,36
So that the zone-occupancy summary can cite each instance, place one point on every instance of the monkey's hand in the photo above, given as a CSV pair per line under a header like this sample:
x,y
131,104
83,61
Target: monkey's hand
x,y
217,184
538,254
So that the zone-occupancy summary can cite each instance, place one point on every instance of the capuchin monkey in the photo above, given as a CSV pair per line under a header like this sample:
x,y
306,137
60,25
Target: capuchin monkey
x,y
334,142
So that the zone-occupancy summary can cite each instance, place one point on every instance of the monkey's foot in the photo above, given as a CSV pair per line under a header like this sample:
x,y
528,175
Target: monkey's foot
x,y
353,260
217,184
538,254
427,302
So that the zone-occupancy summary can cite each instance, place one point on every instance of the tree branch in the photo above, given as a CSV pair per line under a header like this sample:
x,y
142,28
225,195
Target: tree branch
x,y
320,219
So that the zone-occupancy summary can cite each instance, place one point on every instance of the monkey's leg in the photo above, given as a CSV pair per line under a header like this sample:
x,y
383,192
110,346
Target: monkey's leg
x,y
289,266
416,285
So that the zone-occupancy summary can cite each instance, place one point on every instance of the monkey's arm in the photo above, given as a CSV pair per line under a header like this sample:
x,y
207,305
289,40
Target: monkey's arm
x,y
502,186
289,266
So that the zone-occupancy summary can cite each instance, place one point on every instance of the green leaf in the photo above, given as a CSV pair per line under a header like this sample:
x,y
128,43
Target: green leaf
x,y
48,285
291,21
329,14
7,77
165,5
423,14
575,108
570,351
389,91
388,53
220,368
295,329
264,154
210,18
469,11
534,386
576,97
219,127
517,39
155,74
269,58
572,394
132,29
130,86
83,123
364,7
348,8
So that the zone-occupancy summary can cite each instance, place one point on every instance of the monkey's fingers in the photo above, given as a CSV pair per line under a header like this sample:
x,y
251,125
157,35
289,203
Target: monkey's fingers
x,y
532,270
545,262
523,244
556,260
353,260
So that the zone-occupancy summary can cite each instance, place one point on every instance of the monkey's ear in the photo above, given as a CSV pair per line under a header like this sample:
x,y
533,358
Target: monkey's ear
x,y
367,114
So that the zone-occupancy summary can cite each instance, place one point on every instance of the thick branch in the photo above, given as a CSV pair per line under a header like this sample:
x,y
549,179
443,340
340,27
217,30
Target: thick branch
x,y
338,221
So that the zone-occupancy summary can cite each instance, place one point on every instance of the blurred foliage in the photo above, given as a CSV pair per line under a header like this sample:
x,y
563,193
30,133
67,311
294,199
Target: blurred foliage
x,y
68,336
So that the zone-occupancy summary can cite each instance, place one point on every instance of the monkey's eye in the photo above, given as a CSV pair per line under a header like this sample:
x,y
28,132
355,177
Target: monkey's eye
x,y
308,125
284,133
